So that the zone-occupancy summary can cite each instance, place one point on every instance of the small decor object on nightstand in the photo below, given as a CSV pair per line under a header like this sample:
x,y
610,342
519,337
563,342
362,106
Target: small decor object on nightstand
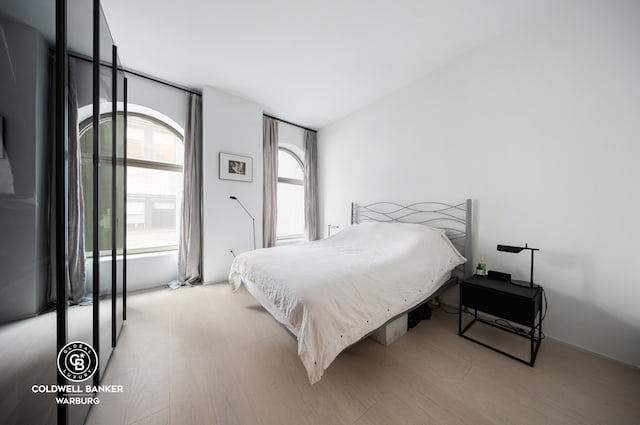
x,y
481,270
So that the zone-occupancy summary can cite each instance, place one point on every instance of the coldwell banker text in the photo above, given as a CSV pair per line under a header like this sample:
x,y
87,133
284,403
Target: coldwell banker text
x,y
77,394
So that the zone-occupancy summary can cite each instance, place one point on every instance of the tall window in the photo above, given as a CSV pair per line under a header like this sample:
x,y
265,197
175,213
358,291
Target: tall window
x,y
290,223
155,160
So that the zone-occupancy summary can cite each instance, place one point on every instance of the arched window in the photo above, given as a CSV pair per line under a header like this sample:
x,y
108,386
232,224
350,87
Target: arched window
x,y
290,224
155,157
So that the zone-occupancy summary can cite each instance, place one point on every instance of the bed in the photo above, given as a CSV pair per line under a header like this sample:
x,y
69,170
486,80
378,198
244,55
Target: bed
x,y
333,292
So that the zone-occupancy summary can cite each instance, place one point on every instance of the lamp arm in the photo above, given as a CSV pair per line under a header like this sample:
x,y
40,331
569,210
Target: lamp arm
x,y
245,209
254,233
253,220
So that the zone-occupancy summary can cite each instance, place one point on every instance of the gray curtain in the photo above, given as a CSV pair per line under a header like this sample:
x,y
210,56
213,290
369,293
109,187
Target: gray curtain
x,y
270,181
75,197
311,222
190,244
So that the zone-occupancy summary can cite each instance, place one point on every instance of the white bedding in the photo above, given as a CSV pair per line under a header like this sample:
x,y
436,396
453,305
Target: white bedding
x,y
330,293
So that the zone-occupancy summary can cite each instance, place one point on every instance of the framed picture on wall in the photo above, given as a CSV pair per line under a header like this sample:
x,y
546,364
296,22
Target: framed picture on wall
x,y
236,167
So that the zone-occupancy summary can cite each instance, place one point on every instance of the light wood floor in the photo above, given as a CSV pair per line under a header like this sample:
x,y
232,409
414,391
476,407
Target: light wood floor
x,y
207,356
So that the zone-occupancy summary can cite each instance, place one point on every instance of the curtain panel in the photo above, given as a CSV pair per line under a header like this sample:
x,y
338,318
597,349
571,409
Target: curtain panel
x,y
311,222
76,275
190,243
270,181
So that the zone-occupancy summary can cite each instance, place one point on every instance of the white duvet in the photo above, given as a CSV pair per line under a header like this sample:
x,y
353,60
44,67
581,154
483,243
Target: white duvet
x,y
330,293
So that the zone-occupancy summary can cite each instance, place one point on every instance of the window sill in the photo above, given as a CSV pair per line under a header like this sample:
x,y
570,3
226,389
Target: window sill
x,y
151,254
134,255
289,241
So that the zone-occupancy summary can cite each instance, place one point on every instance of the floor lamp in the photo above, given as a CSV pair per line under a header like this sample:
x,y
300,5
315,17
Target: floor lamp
x,y
249,214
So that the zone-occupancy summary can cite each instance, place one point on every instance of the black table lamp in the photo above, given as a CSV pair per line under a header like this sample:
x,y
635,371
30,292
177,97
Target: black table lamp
x,y
252,219
516,250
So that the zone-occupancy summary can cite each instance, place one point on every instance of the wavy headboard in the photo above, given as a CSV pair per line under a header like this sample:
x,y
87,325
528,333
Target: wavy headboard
x,y
455,219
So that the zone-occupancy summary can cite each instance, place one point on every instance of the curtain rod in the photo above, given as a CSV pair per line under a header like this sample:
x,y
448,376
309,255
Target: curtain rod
x,y
157,80
290,123
175,86
137,74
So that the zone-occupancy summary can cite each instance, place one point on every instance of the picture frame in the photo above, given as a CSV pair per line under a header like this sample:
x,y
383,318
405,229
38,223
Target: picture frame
x,y
235,167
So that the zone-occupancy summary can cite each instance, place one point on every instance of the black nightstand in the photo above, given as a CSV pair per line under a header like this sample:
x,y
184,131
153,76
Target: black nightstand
x,y
503,299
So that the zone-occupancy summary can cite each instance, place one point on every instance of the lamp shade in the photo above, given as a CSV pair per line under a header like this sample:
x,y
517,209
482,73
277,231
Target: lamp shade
x,y
509,248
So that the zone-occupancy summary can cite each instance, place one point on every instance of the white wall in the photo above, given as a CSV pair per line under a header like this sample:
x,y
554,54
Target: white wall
x,y
231,125
541,126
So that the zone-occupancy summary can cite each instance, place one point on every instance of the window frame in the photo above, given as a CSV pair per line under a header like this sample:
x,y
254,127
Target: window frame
x,y
104,160
296,182
155,165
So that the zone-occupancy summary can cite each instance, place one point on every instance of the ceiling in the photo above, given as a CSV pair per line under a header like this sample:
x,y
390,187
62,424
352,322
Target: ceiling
x,y
311,62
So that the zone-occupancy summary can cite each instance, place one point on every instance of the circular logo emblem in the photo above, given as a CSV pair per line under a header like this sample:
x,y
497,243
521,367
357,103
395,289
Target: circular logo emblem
x,y
77,361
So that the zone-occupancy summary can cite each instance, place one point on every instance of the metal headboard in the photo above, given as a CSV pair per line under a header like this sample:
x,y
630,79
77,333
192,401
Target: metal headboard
x,y
455,219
